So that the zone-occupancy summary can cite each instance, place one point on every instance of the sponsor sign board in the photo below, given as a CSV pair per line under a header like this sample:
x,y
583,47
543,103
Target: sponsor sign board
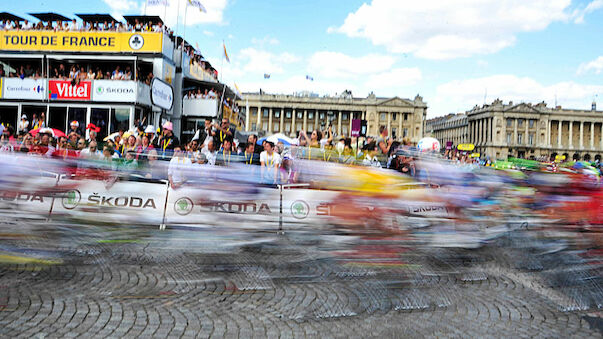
x,y
356,126
65,90
29,199
136,202
81,41
114,90
162,94
466,147
196,204
25,89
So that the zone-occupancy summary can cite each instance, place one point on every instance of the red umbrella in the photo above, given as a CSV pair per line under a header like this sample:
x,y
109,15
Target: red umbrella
x,y
52,131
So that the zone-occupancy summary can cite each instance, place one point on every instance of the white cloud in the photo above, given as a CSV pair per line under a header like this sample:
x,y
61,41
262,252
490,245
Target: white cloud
x,y
338,65
579,14
122,6
594,65
267,40
444,29
461,95
332,72
215,13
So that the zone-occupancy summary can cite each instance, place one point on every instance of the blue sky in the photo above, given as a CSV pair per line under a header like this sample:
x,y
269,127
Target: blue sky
x,y
454,53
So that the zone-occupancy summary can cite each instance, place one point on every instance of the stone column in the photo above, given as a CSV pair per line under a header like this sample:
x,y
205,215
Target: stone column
x,y
602,136
548,133
571,132
350,128
247,127
527,133
316,119
270,121
400,130
305,127
389,123
293,128
581,134
515,132
592,135
559,124
339,123
281,128
258,122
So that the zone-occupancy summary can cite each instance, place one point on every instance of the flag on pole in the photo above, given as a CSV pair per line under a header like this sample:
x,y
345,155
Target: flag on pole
x,y
238,90
309,78
198,4
225,53
266,76
151,3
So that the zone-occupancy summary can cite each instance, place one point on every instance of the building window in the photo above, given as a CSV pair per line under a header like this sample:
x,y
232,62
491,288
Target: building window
x,y
382,117
405,133
300,115
344,116
288,114
509,137
531,123
520,122
264,126
394,116
288,127
509,122
321,116
298,127
531,139
519,138
311,115
275,127
277,113
344,130
254,111
405,116
265,113
243,110
253,126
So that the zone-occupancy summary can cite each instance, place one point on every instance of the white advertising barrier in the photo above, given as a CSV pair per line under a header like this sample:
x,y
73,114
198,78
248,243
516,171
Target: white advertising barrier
x,y
302,205
121,201
260,207
34,198
25,89
114,90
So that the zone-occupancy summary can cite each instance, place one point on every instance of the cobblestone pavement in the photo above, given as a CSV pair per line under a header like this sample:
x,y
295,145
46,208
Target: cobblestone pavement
x,y
107,281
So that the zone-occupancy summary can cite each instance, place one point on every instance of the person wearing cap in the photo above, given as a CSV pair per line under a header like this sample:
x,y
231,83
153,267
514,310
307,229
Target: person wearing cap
x,y
150,132
23,124
168,140
74,127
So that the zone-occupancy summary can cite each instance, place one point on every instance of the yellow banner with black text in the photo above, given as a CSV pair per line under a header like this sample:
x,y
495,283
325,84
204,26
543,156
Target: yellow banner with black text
x,y
130,42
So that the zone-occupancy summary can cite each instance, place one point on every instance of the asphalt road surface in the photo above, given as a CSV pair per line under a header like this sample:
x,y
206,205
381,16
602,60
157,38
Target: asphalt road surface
x,y
68,280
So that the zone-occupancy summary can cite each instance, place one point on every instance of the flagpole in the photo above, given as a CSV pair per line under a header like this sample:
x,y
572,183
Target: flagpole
x,y
177,17
184,29
165,2
222,62
145,7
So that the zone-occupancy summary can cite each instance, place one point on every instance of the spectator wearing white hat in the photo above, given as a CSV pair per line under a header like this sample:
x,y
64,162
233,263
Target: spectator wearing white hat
x,y
150,132
23,124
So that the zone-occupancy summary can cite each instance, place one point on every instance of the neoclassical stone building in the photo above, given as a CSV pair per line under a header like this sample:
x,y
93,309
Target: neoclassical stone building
x,y
451,127
527,131
288,114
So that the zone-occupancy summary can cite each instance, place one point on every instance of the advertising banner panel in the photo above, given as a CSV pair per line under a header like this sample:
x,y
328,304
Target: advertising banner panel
x,y
199,205
133,42
162,94
64,90
25,89
114,90
121,201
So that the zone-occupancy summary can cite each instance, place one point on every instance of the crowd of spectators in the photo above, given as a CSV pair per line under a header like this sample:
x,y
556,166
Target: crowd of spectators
x,y
74,26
